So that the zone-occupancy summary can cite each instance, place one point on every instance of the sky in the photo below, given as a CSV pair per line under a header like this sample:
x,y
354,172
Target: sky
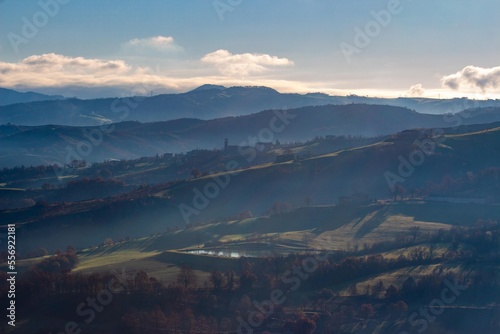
x,y
386,48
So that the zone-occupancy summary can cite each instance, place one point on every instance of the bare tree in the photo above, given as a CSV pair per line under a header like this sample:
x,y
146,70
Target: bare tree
x,y
418,254
217,279
186,277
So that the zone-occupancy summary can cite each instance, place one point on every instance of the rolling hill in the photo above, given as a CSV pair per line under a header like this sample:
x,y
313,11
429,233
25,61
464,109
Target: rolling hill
x,y
369,253
460,166
49,144
205,102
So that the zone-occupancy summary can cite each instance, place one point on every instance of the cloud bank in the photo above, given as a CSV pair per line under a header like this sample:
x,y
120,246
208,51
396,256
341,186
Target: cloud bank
x,y
51,71
473,77
92,77
245,63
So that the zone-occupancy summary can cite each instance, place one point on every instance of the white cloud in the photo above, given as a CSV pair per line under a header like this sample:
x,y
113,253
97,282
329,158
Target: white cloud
x,y
416,90
473,77
91,77
157,43
243,64
54,62
55,70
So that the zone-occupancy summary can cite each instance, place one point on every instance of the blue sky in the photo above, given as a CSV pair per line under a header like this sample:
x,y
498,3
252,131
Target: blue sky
x,y
118,47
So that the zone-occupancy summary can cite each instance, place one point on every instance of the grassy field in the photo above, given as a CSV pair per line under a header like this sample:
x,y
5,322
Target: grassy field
x,y
132,261
123,256
309,228
397,277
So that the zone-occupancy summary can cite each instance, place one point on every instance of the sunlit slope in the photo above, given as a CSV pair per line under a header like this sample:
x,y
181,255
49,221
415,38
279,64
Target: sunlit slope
x,y
312,228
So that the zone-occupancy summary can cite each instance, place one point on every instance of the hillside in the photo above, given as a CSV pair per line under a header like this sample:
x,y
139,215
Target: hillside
x,y
362,257
315,228
457,166
49,144
374,262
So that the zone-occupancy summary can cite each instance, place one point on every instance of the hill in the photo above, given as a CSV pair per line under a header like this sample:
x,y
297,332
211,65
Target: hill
x,y
9,96
456,168
205,102
375,263
49,144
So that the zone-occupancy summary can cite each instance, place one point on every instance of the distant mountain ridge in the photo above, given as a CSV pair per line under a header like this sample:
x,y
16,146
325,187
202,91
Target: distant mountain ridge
x,y
9,96
205,102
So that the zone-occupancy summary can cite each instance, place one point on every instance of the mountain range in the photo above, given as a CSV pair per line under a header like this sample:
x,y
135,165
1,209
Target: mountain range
x,y
205,102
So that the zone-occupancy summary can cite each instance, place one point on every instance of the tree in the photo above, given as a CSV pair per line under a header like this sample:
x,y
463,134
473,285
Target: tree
x,y
217,280
247,278
378,288
398,191
186,277
142,282
244,305
108,242
418,254
196,173
409,287
391,292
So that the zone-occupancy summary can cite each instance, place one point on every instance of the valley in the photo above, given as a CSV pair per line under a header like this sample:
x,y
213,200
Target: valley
x,y
249,167
338,222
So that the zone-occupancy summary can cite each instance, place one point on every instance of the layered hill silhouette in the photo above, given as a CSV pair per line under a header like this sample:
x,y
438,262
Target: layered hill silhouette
x,y
205,102
49,144
9,96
